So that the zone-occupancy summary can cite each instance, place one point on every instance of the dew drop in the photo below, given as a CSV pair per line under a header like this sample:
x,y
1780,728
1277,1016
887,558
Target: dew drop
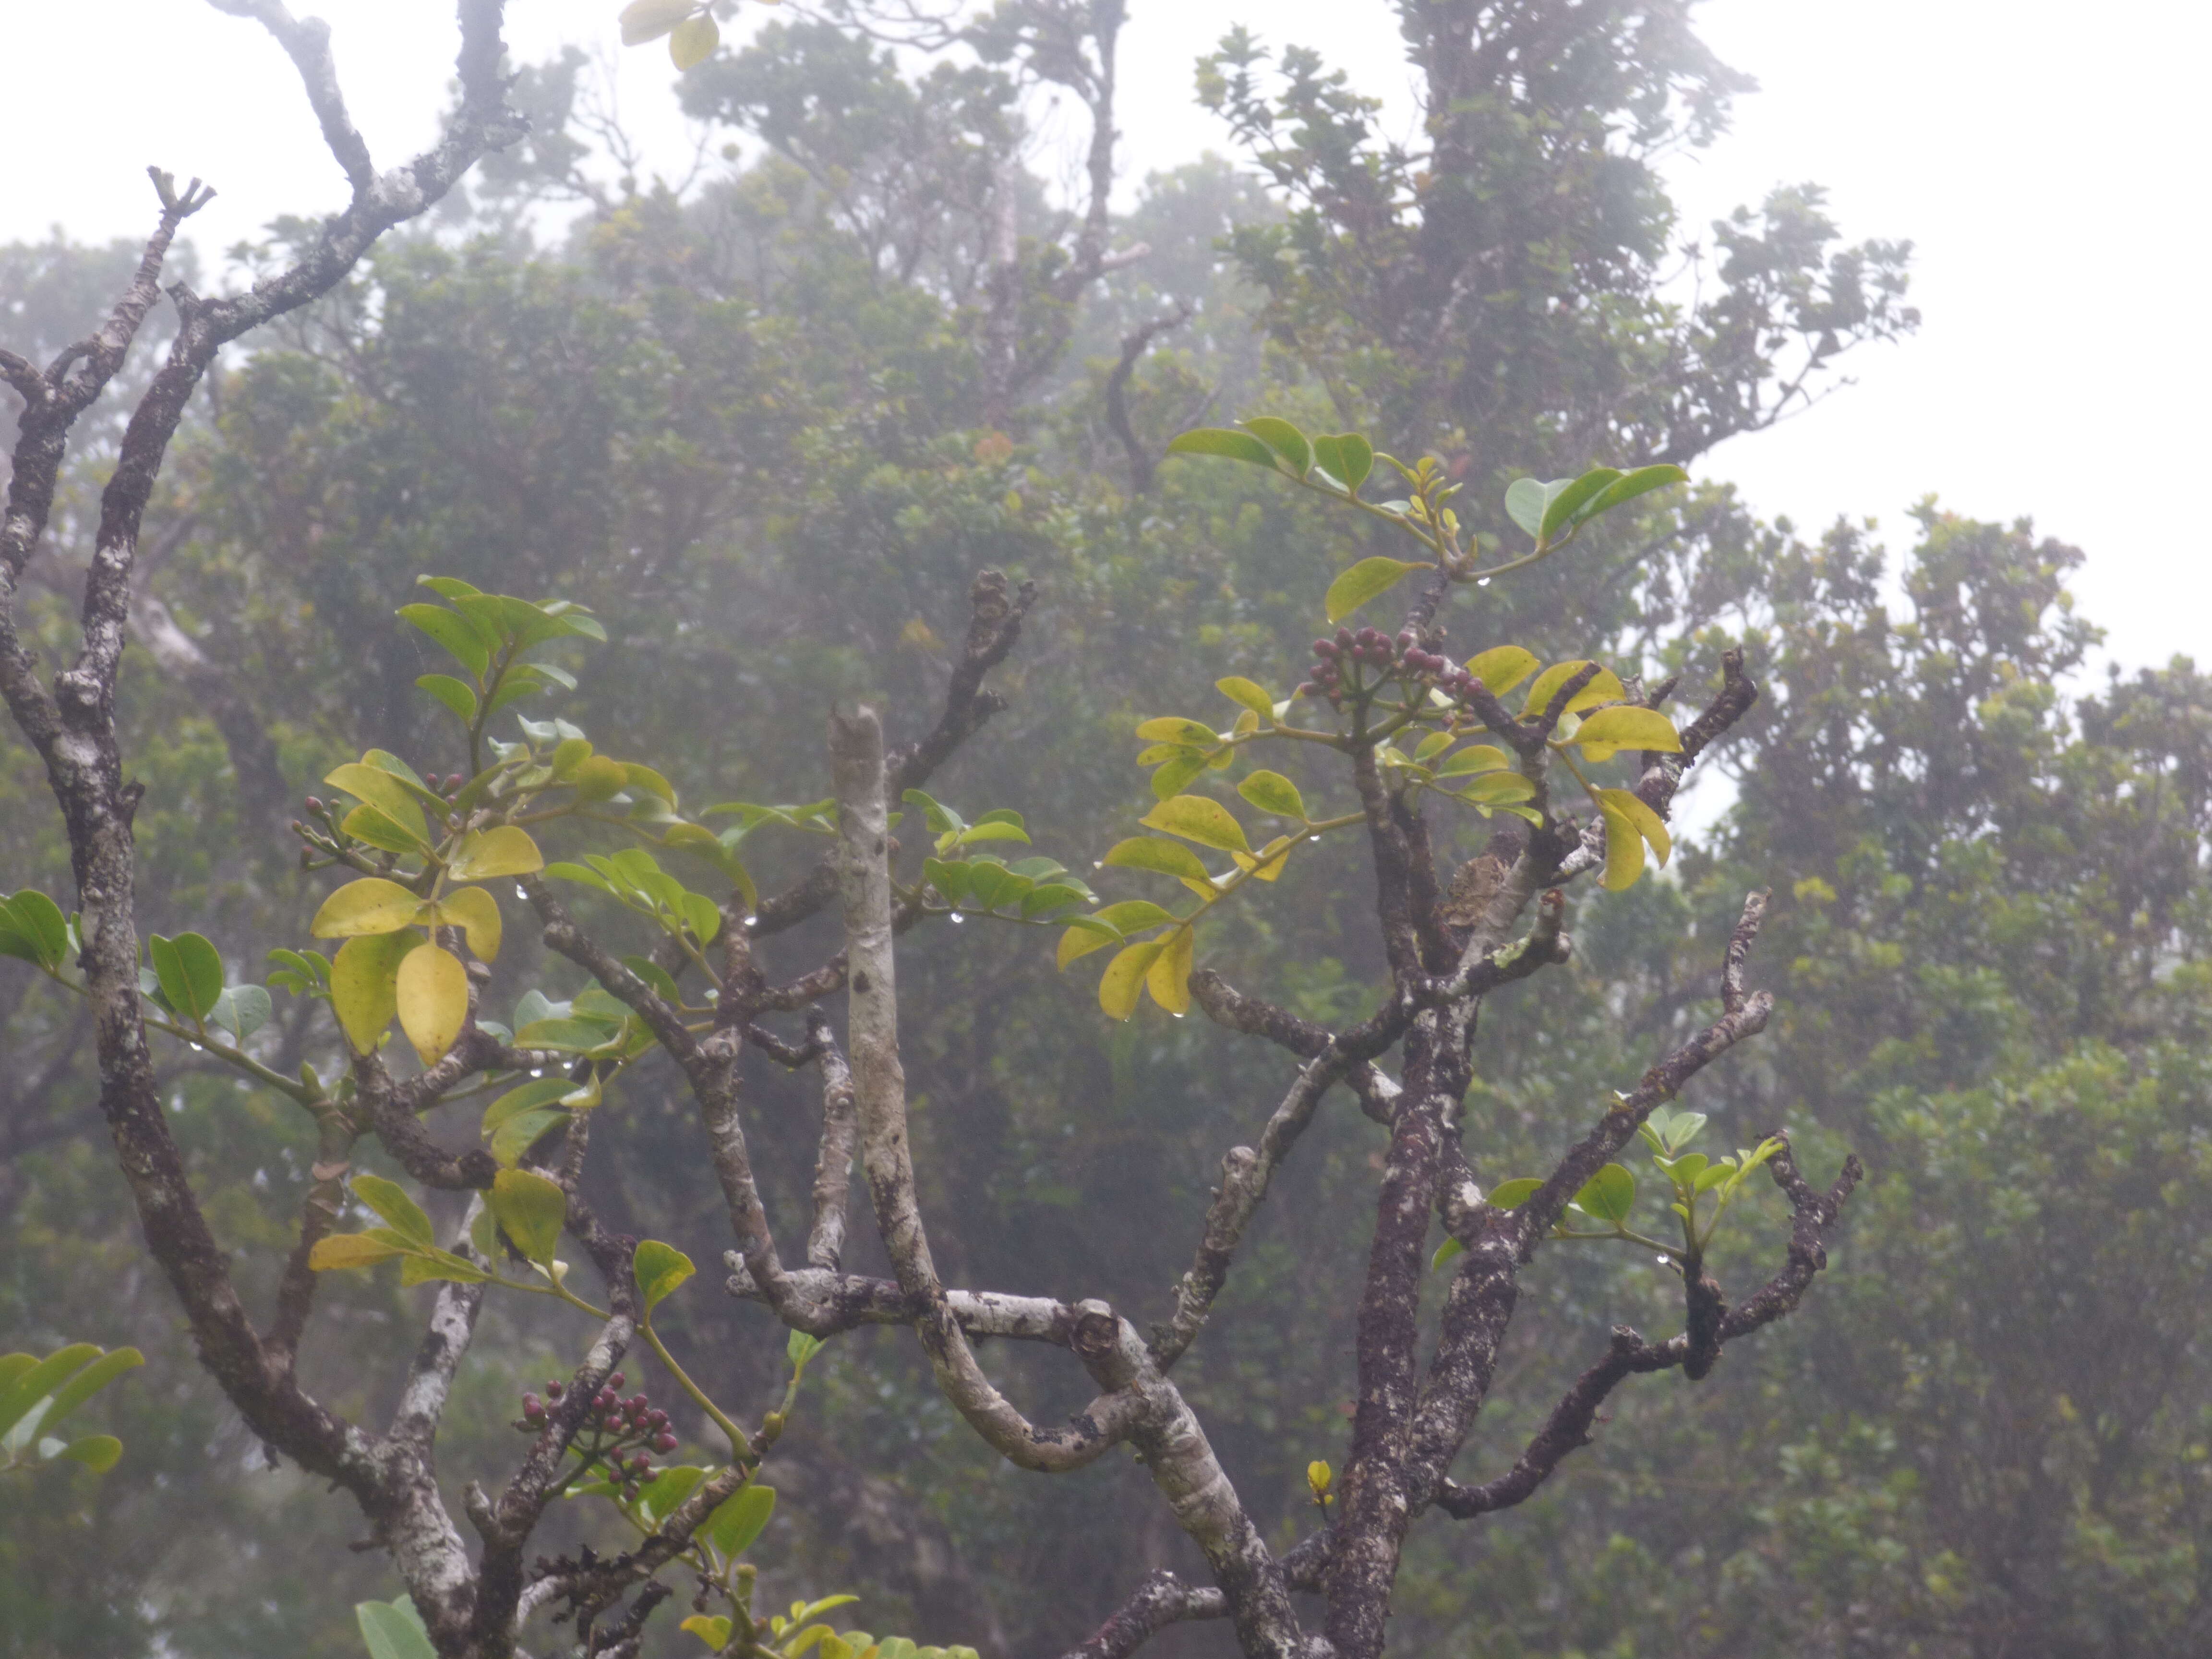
x,y
1313,837
520,891
957,918
1482,581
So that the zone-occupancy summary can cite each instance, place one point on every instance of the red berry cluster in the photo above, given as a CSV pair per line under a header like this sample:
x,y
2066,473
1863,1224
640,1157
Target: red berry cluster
x,y
618,1436
1359,662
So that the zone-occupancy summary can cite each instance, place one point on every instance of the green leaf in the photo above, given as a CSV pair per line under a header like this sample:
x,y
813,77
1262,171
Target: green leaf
x,y
39,921
676,1483
738,1520
1564,505
801,1348
1051,896
398,1211
203,968
530,1209
1166,858
1169,779
577,1036
1475,757
454,694
1609,1194
1084,934
1525,501
453,631
539,1091
1271,791
1220,440
241,1010
1129,917
659,1268
1512,1194
1196,817
657,976
702,916
393,1629
30,1383
338,1251
1285,440
1630,485
1445,1252
1358,457
87,1382
519,1133
1363,582
97,1452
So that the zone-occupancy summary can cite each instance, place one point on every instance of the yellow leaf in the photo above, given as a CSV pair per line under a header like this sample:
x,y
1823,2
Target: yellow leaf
x,y
371,905
349,1250
1081,941
648,20
433,992
1252,696
693,41
1196,819
386,793
475,913
1167,858
1475,757
1362,582
1648,823
1605,686
1624,850
1629,727
1125,978
598,778
1268,866
1169,977
1502,667
361,994
504,850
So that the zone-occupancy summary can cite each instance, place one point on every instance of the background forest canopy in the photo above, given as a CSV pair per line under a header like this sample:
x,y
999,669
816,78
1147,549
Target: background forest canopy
x,y
769,423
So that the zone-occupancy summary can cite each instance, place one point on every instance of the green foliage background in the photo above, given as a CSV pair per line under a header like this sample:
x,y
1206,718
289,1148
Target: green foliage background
x,y
744,427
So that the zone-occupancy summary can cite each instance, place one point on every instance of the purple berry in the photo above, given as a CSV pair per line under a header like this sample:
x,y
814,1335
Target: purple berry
x,y
663,1442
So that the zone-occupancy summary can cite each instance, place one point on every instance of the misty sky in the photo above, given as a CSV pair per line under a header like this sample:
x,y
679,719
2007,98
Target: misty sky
x,y
2043,159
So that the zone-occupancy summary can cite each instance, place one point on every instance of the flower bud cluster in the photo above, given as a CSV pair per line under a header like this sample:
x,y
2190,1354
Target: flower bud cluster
x,y
1354,662
617,1435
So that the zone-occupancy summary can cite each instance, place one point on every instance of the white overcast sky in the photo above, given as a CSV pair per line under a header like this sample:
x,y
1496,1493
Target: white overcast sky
x,y
2047,161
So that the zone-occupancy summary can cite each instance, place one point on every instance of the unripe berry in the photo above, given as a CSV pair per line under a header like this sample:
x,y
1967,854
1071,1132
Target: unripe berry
x,y
1344,637
615,1380
663,1442
1405,640
1325,647
553,1389
314,804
